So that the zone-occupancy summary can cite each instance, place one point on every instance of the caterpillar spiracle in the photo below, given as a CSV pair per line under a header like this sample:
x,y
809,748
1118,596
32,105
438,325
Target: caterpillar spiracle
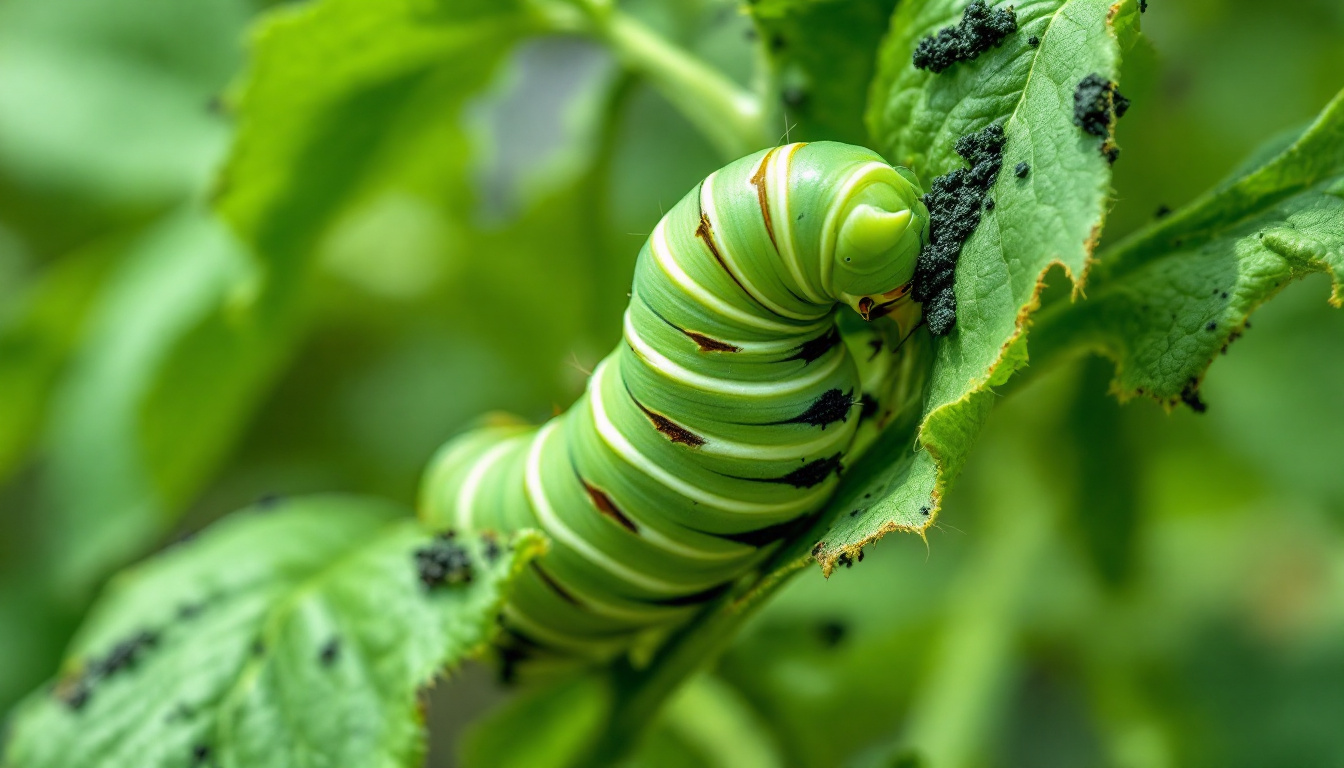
x,y
725,415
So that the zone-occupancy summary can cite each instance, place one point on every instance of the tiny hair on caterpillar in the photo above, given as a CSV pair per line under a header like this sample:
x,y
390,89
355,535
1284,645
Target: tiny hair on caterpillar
x,y
745,383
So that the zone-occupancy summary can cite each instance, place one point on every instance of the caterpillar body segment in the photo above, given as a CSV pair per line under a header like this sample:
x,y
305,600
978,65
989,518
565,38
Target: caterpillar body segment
x,y
726,415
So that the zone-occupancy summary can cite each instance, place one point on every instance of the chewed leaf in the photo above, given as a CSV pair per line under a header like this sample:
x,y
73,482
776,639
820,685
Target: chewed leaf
x,y
298,635
1165,302
1048,212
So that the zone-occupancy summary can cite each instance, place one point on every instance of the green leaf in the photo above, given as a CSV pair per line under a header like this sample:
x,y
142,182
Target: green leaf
x,y
291,635
345,97
1053,216
173,357
351,131
180,347
1164,302
36,341
109,103
823,53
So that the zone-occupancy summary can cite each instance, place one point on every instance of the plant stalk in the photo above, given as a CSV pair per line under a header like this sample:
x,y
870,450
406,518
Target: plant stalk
x,y
729,116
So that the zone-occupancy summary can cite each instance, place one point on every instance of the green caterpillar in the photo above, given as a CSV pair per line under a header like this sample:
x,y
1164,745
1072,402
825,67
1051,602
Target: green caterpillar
x,y
726,414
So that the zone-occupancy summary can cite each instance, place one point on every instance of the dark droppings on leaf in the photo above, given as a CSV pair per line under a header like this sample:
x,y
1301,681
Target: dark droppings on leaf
x,y
1096,104
1231,337
1212,326
1021,170
1162,212
1143,6
125,655
854,512
1033,41
989,204
1190,396
180,712
491,549
980,29
443,563
954,201
189,611
832,633
845,560
73,693
816,548
200,754
925,511
330,653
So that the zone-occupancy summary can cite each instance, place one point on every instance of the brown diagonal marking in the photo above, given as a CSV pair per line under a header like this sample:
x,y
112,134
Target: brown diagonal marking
x,y
708,344
706,233
555,585
758,181
608,507
670,429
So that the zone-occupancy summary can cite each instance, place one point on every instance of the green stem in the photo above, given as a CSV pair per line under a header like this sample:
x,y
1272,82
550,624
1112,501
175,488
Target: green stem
x,y
1132,730
602,315
729,116
959,700
639,693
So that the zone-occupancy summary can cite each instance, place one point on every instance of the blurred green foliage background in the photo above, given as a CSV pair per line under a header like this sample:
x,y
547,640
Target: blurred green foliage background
x,y
1110,585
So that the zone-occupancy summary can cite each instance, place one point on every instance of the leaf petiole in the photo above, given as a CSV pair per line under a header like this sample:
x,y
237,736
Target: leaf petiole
x,y
730,117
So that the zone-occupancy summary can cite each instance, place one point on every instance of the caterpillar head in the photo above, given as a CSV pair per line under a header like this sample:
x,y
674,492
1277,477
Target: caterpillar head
x,y
882,223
